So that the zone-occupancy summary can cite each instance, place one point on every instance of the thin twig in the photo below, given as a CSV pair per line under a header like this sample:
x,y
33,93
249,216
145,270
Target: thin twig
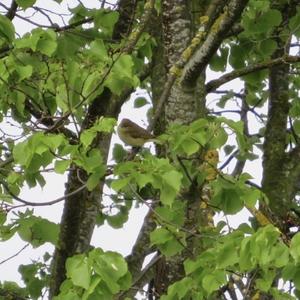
x,y
25,202
212,85
14,255
229,159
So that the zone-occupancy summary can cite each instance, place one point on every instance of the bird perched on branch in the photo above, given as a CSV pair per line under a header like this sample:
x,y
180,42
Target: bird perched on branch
x,y
134,135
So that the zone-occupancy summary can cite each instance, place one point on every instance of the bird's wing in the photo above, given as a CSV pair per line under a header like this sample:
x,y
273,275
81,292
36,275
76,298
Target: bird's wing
x,y
141,133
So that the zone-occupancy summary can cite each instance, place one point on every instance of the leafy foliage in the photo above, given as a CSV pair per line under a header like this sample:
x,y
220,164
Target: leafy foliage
x,y
62,87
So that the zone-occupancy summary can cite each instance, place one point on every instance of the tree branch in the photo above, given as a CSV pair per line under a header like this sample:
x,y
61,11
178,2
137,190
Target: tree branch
x,y
14,255
12,10
215,37
28,203
212,85
143,278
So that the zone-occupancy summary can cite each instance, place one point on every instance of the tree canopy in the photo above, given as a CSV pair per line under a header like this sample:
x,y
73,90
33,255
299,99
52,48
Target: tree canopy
x,y
62,86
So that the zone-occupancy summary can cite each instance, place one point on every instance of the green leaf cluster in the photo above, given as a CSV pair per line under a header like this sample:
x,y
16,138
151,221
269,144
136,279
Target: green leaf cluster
x,y
36,230
32,229
200,134
231,195
236,252
95,275
35,278
157,172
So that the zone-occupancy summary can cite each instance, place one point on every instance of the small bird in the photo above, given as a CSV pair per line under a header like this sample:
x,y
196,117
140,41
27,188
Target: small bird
x,y
134,135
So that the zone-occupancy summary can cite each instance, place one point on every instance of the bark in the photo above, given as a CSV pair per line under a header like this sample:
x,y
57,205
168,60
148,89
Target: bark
x,y
276,181
218,31
179,107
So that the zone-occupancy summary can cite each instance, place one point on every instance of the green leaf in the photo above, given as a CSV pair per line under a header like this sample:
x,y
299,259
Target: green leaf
x,y
218,139
238,128
106,20
95,178
175,215
237,56
24,71
95,281
92,162
167,195
3,216
7,30
228,149
118,220
121,75
99,51
289,271
145,45
38,231
250,196
219,60
172,247
33,283
35,288
280,255
173,179
296,126
190,147
87,137
171,182
143,179
295,247
47,42
119,153
294,23
226,196
119,184
105,125
101,125
246,261
7,232
39,40
192,266
69,44
267,47
296,279
245,228
140,102
160,236
211,282
25,3
179,289
264,283
78,270
227,255
61,166
263,22
45,231
166,241
111,267
18,99
271,18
